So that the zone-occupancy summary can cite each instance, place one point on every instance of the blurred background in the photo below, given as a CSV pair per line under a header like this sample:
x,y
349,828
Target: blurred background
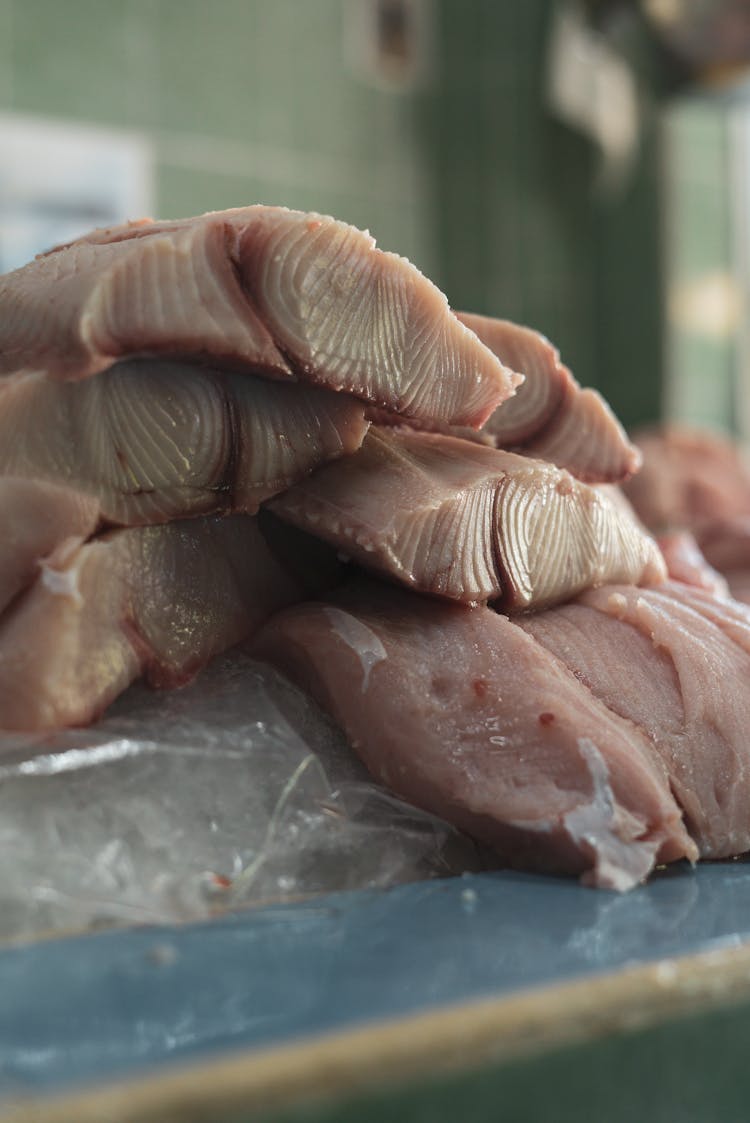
x,y
583,167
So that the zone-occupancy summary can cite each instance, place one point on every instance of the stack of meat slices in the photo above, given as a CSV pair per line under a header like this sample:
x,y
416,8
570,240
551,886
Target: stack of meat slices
x,y
204,424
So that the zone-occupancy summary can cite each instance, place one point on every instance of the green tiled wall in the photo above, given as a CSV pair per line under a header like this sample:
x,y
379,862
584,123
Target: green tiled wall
x,y
470,176
523,232
702,364
246,100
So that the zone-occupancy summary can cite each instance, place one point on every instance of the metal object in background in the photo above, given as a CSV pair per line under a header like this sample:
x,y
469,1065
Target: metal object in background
x,y
58,180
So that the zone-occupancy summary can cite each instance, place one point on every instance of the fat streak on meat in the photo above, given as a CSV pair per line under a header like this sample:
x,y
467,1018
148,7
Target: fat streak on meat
x,y
38,518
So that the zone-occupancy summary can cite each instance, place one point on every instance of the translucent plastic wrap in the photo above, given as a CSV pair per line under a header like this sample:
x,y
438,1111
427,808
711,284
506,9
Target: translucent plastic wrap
x,y
234,791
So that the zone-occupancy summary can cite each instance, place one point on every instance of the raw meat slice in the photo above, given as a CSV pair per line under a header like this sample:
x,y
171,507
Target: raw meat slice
x,y
732,617
725,542
664,660
687,564
456,519
153,440
37,518
688,477
156,600
268,289
551,417
698,481
462,713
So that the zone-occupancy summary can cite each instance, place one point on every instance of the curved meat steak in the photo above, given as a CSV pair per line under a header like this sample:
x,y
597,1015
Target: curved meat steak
x,y
265,289
457,519
154,440
551,417
686,563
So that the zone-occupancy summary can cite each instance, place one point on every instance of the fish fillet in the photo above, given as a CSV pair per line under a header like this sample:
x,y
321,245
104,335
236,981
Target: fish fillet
x,y
551,417
158,601
675,663
689,477
266,289
38,518
462,713
155,440
456,519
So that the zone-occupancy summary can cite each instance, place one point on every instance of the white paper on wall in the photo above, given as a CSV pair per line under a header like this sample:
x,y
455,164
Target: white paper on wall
x,y
59,179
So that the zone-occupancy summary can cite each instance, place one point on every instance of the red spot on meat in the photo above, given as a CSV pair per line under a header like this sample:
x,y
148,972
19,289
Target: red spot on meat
x,y
546,718
314,224
480,687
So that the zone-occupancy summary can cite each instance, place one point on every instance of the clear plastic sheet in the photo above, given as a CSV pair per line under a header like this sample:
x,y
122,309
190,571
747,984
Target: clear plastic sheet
x,y
231,792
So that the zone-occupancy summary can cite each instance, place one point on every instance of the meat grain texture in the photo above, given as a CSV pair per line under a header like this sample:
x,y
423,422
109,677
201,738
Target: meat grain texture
x,y
152,440
463,713
189,455
266,289
470,523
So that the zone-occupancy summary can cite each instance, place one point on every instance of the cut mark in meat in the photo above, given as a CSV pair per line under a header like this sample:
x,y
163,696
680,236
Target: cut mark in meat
x,y
38,519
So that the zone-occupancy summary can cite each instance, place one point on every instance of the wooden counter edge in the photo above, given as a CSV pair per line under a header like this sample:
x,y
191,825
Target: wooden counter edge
x,y
399,1051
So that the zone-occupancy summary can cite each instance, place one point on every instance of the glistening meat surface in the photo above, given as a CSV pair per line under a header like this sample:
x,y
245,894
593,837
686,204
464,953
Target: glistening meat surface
x,y
262,288
551,417
154,440
457,519
37,518
464,714
158,601
674,662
